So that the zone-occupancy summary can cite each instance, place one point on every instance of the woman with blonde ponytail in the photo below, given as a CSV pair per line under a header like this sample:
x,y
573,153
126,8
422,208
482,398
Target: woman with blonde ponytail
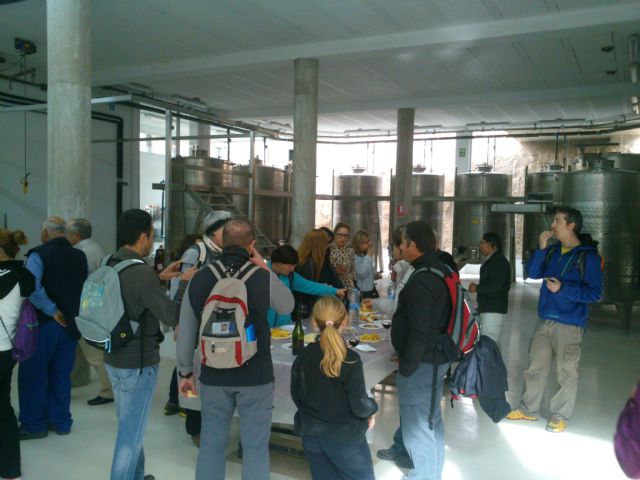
x,y
334,410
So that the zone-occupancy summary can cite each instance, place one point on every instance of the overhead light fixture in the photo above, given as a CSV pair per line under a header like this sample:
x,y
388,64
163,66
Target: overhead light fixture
x,y
560,122
190,102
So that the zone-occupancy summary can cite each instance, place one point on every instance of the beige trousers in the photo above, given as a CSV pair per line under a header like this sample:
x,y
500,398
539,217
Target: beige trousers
x,y
553,340
87,356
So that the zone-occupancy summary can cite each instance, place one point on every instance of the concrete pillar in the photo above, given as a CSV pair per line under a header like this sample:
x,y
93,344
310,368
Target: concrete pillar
x,y
463,155
305,133
200,129
404,168
69,107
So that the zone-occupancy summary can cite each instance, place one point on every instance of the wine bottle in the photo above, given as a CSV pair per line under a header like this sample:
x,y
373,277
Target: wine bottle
x,y
297,337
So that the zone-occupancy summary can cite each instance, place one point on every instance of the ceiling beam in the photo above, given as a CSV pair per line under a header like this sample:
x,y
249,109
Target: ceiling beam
x,y
554,23
617,90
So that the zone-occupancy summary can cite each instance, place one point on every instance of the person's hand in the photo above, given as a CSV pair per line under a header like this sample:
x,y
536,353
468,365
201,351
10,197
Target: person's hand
x,y
543,240
377,276
341,269
367,303
186,385
172,271
395,358
257,259
59,318
553,284
372,421
175,332
341,292
473,288
189,273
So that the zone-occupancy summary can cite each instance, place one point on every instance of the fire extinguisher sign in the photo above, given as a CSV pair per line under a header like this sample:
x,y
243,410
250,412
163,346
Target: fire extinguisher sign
x,y
402,209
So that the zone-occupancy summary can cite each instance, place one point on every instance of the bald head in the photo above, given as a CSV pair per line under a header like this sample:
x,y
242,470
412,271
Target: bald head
x,y
238,233
52,227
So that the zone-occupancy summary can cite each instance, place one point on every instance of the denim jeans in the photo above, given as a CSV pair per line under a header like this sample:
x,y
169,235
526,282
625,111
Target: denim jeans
x,y
329,459
425,446
132,391
255,408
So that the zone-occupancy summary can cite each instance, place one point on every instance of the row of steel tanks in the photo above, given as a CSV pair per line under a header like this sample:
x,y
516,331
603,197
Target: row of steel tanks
x,y
224,186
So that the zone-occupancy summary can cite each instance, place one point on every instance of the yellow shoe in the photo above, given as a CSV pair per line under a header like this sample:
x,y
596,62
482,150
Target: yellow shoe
x,y
556,424
519,414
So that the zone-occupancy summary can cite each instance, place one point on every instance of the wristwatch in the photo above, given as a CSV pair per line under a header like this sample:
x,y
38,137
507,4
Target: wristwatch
x,y
188,375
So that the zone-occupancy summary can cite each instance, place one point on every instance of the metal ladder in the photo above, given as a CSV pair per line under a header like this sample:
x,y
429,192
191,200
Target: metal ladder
x,y
214,199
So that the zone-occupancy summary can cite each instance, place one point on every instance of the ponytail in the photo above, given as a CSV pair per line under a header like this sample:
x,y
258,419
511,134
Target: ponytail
x,y
10,241
329,314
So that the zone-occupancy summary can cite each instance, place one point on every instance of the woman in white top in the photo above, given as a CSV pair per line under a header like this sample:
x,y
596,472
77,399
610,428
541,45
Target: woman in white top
x,y
403,271
16,283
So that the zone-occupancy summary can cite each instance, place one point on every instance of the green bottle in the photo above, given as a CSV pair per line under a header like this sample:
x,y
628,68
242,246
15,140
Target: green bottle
x,y
297,337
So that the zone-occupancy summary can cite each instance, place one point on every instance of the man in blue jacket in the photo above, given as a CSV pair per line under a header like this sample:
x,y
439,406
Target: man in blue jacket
x,y
572,275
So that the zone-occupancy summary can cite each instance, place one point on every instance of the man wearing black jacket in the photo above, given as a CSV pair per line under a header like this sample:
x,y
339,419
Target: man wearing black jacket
x,y
424,308
494,286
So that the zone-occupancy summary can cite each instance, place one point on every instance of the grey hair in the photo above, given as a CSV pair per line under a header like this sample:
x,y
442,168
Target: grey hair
x,y
54,225
81,226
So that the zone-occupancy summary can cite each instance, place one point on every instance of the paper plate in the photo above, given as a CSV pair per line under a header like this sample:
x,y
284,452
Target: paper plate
x,y
363,347
371,326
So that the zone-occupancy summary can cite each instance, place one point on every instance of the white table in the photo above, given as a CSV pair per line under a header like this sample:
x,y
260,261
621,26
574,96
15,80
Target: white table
x,y
377,366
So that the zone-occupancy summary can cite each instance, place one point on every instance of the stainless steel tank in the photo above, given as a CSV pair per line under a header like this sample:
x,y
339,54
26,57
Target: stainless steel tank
x,y
472,218
427,185
624,161
269,211
540,186
359,214
609,200
192,172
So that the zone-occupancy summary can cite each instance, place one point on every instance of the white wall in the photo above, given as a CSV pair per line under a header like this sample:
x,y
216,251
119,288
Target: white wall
x,y
26,211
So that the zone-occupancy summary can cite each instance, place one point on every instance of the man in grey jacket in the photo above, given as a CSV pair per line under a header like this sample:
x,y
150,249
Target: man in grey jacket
x,y
79,233
133,368
249,388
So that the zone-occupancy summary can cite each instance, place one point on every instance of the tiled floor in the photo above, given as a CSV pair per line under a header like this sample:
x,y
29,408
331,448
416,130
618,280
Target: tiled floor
x,y
476,448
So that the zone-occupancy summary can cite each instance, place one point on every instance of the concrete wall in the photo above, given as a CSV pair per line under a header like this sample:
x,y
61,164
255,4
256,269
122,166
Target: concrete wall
x,y
26,211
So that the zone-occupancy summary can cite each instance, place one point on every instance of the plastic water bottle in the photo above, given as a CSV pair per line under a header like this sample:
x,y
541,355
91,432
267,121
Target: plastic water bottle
x,y
391,291
354,306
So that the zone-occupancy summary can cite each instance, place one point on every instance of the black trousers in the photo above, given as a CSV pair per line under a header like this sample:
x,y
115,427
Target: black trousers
x,y
9,434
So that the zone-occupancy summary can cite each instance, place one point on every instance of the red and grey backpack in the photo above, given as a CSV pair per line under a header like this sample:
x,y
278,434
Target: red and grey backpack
x,y
462,329
227,339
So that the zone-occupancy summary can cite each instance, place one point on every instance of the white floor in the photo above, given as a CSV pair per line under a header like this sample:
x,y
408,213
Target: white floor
x,y
475,447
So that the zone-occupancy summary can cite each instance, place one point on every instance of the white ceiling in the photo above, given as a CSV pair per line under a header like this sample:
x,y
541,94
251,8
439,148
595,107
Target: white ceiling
x,y
455,61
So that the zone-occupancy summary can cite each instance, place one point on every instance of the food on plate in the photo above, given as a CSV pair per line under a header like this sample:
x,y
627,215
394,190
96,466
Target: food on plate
x,y
279,333
367,316
365,308
310,338
370,337
349,331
